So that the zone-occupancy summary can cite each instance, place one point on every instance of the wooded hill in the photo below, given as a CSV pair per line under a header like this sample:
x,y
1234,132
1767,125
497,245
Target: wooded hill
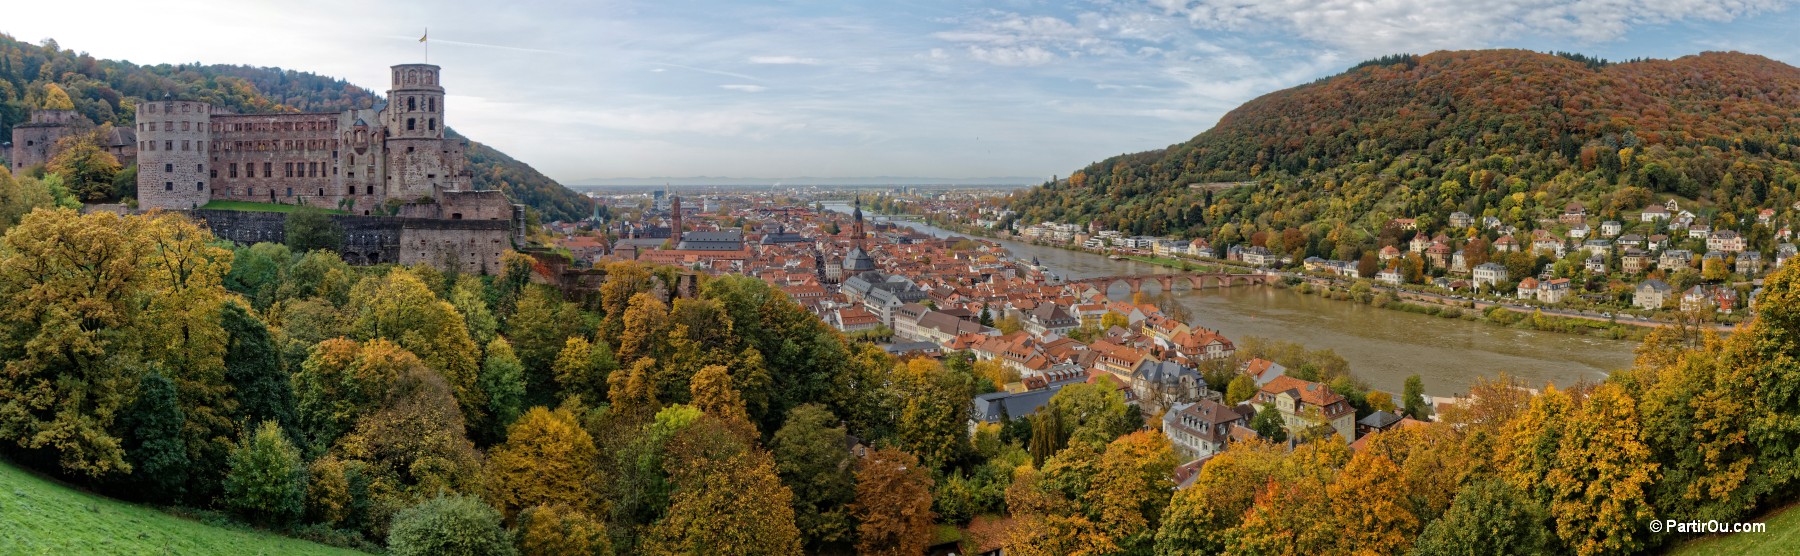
x,y
106,91
1506,133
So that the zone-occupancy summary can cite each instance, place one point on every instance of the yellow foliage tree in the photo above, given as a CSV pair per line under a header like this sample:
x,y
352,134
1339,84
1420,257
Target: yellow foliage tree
x,y
560,530
1603,470
547,460
893,503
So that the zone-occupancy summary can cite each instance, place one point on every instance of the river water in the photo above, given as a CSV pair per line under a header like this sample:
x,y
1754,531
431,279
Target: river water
x,y
1382,346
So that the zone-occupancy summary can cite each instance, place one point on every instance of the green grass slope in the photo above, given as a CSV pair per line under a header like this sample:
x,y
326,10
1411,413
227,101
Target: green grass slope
x,y
38,516
1782,537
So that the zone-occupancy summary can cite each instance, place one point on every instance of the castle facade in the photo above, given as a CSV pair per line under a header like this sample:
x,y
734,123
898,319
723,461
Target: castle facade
x,y
190,153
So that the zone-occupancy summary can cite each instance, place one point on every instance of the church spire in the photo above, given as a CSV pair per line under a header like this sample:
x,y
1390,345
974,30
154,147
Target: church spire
x,y
856,227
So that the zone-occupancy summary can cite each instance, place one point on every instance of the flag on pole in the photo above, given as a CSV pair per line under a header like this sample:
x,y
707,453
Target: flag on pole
x,y
427,33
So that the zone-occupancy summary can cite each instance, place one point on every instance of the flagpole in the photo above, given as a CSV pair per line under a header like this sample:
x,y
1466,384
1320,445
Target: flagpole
x,y
423,39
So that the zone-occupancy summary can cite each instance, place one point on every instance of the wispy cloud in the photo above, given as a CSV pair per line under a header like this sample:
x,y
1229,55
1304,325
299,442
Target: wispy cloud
x,y
784,60
744,88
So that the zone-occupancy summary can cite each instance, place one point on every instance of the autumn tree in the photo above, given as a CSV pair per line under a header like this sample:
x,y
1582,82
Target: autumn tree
x,y
559,530
932,423
645,325
537,329
1130,488
547,460
1373,513
893,504
811,458
574,368
727,498
712,392
400,307
1095,412
20,195
469,297
1200,518
413,446
340,382
267,481
1603,469
85,166
1241,388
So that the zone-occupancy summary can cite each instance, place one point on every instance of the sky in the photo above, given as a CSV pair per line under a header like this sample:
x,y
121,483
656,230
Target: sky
x,y
836,88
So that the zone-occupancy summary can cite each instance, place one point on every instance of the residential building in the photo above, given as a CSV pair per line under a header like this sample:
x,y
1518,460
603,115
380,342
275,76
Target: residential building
x,y
1553,291
1651,294
1490,274
1202,428
1304,404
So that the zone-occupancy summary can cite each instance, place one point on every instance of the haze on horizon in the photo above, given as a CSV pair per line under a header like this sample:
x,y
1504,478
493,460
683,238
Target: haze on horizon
x,y
927,88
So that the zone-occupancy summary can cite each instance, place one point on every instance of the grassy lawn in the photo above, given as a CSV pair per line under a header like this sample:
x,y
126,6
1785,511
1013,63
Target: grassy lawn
x,y
1782,537
257,207
38,516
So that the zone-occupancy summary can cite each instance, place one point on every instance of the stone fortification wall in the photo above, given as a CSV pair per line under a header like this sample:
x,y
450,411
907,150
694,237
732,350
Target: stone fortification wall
x,y
472,246
173,169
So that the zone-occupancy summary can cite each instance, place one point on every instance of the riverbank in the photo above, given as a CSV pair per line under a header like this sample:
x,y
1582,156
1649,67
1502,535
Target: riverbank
x,y
1528,318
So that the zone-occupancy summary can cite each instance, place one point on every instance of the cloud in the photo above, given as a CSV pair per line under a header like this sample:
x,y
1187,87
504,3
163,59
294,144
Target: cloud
x,y
784,60
1367,27
1012,55
744,88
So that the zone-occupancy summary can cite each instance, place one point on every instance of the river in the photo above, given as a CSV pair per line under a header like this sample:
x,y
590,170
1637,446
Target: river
x,y
1382,346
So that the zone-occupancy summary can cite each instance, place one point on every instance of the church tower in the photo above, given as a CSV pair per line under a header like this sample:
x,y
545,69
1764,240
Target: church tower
x,y
675,219
856,227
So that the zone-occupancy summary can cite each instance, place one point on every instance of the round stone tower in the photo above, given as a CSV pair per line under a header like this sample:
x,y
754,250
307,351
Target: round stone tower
x,y
173,168
414,118
415,103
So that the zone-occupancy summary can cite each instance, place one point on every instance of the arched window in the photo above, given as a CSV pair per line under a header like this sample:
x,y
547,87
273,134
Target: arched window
x,y
410,124
412,103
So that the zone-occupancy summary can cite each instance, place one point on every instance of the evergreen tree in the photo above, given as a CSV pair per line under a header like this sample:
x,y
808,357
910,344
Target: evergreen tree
x,y
263,390
153,444
1413,399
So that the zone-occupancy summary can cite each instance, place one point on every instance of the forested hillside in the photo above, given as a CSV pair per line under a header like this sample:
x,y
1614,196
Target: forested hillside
x,y
1508,133
106,91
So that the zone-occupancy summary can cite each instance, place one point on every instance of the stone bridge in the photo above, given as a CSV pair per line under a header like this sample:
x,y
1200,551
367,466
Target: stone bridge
x,y
1195,280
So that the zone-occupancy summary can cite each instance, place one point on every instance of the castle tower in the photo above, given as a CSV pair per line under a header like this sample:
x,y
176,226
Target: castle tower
x,y
173,137
675,219
414,119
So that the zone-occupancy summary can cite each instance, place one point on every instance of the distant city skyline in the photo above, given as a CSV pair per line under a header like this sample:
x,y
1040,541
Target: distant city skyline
x,y
934,89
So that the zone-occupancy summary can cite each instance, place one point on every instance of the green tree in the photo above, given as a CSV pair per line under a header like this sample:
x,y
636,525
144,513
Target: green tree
x,y
308,229
727,503
811,459
452,525
1095,413
503,380
267,481
263,389
933,418
469,299
1412,400
153,444
19,196
1489,517
1269,423
401,307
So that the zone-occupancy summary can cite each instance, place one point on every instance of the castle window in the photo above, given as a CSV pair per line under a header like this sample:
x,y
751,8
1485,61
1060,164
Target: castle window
x,y
268,169
290,192
186,146
168,125
371,189
168,144
431,124
215,174
184,126
410,124
184,108
199,186
287,169
168,186
151,108
168,167
249,191
199,167
312,169
321,192
352,190
431,105
412,104
234,169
